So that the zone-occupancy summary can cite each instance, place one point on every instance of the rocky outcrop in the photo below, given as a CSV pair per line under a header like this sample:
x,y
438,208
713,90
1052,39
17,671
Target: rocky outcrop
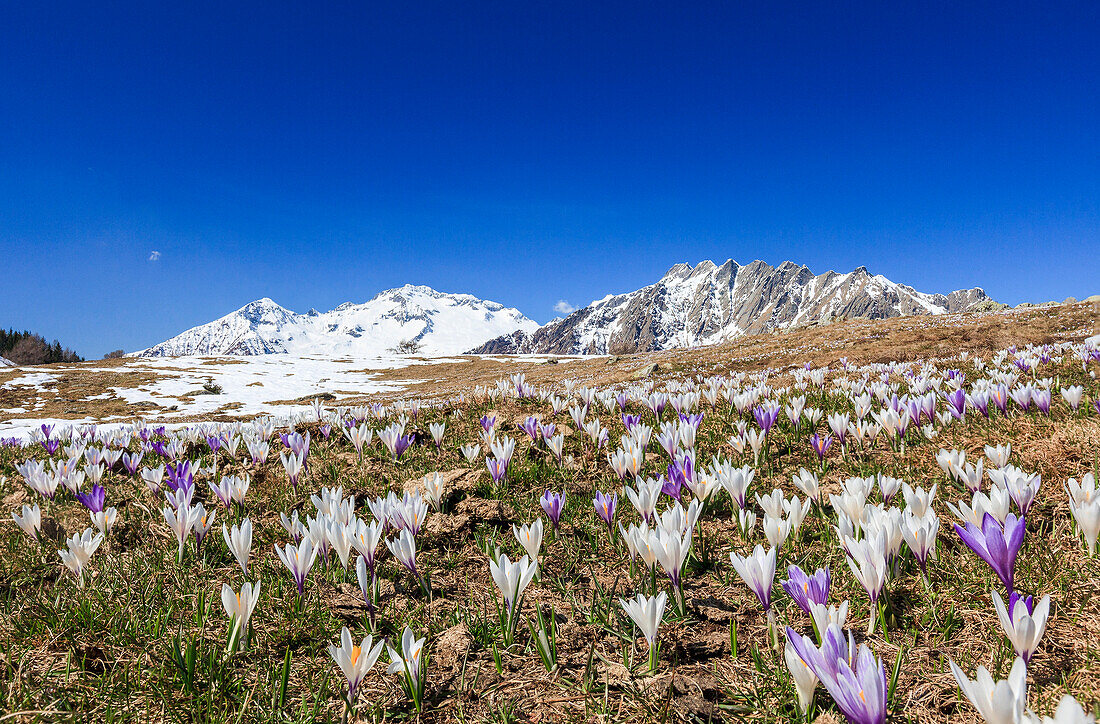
x,y
708,303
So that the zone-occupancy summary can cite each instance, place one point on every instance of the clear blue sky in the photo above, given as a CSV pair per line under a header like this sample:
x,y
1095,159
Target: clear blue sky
x,y
528,152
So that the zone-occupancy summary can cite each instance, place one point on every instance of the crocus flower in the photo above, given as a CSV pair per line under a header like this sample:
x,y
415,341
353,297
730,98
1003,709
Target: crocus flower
x,y
821,444
80,550
807,590
956,402
180,520
31,520
497,469
757,570
867,561
104,520
1069,711
355,661
403,548
531,426
512,578
920,535
1087,515
995,545
647,612
407,663
239,542
437,429
855,678
530,537
766,415
204,521
605,507
996,701
94,499
644,499
1023,623
672,550
826,616
805,680
131,462
553,504
298,560
239,607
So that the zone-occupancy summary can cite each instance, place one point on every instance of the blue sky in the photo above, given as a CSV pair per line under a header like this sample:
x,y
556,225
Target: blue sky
x,y
531,152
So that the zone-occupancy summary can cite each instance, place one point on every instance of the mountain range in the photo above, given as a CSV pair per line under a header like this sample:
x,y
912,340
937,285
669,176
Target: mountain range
x,y
409,319
688,306
706,304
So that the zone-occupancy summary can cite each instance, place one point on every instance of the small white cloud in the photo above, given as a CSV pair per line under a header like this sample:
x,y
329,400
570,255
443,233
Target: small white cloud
x,y
155,256
564,307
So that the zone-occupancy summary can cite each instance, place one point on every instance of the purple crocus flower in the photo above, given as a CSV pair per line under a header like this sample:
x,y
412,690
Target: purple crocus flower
x,y
488,422
47,430
605,507
821,444
403,443
980,402
298,444
497,468
180,475
547,430
1041,398
552,505
854,678
51,445
622,399
807,590
680,472
94,499
630,421
214,442
957,402
766,415
531,427
995,545
326,430
999,396
1096,405
132,462
694,420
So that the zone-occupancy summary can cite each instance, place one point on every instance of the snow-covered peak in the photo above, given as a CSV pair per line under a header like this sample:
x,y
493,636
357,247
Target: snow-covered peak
x,y
708,303
412,318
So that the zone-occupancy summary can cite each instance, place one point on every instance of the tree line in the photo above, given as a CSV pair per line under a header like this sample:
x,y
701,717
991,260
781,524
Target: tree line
x,y
28,348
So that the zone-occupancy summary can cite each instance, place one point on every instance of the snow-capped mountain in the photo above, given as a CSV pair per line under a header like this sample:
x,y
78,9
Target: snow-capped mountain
x,y
707,304
409,319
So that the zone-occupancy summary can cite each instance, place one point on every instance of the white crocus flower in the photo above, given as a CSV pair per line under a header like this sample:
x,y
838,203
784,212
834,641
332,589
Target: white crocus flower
x,y
1088,520
805,681
180,520
355,661
31,520
825,616
239,608
80,550
1024,628
647,612
239,542
512,578
530,537
998,702
1069,712
104,520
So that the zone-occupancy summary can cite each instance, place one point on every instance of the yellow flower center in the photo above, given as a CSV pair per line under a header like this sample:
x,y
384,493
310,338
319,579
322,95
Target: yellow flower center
x,y
355,652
